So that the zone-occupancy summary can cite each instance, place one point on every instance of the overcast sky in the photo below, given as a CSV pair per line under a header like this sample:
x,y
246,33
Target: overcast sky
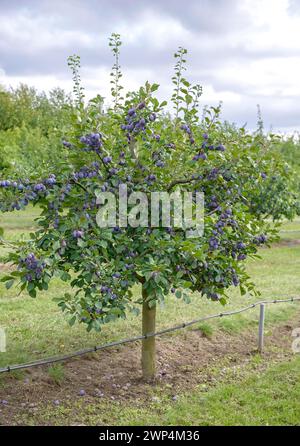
x,y
243,52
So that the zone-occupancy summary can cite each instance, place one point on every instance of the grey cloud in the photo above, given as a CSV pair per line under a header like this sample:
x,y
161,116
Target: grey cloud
x,y
294,7
218,32
100,18
275,115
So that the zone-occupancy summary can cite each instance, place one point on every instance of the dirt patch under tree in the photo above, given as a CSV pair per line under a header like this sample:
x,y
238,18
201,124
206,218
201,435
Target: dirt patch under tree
x,y
183,361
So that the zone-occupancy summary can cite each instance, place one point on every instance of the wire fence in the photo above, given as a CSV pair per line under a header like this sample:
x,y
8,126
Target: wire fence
x,y
52,360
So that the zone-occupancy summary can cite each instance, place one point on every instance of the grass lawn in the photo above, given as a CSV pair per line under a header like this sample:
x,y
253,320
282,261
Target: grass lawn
x,y
291,230
36,328
269,399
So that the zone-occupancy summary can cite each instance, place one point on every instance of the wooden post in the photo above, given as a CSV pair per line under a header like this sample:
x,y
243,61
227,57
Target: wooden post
x,y
148,344
261,328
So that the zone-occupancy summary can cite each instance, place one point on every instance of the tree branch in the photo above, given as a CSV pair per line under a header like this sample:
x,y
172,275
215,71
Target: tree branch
x,y
80,185
181,181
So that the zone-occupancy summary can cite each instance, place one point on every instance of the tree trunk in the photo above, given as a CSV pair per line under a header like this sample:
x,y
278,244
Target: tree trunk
x,y
148,345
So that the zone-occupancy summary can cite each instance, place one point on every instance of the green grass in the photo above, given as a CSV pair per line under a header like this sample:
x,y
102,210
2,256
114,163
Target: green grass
x,y
36,328
271,398
56,373
206,329
290,230
18,223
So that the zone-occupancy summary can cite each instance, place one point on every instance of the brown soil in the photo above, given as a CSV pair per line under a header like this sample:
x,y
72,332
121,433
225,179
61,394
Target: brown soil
x,y
184,361
286,242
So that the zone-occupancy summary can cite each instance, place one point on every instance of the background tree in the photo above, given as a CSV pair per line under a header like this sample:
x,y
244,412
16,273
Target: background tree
x,y
32,126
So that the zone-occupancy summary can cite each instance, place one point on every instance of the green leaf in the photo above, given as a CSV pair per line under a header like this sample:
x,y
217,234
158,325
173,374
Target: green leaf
x,y
9,284
154,87
30,286
81,243
32,293
72,321
5,278
223,301
56,245
186,298
65,276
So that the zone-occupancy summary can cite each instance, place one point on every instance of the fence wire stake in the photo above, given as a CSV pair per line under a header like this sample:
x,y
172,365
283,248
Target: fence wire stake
x,y
261,328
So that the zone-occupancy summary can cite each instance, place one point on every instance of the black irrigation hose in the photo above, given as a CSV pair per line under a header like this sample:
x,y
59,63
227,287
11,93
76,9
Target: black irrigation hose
x,y
138,338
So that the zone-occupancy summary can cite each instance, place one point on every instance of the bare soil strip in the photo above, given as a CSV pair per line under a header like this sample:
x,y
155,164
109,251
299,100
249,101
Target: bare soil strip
x,y
184,361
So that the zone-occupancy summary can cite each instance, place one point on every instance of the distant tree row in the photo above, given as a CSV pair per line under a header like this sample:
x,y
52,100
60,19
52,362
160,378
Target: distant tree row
x,y
32,125
25,106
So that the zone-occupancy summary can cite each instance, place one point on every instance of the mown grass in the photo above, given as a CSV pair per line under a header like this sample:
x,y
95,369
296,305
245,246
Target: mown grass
x,y
290,230
36,327
269,398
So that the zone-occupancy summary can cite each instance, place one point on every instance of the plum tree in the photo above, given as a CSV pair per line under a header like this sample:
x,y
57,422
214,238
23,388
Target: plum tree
x,y
275,195
138,144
